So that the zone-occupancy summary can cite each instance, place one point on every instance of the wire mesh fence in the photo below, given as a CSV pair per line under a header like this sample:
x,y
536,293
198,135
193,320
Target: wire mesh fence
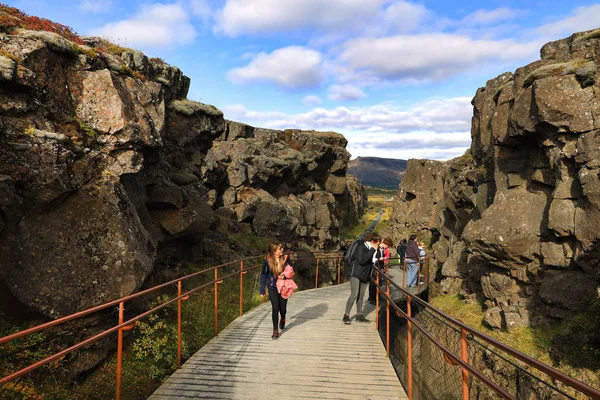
x,y
429,372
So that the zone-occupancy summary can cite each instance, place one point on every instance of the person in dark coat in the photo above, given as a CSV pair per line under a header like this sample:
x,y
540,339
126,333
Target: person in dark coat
x,y
402,252
360,273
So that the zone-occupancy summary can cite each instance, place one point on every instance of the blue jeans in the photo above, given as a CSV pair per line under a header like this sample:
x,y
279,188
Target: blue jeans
x,y
412,273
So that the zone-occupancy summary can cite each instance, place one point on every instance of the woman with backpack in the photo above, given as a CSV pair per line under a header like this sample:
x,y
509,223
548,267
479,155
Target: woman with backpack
x,y
363,259
276,267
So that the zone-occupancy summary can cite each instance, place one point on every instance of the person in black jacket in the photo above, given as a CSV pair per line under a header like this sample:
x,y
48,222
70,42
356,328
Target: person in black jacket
x,y
402,252
360,273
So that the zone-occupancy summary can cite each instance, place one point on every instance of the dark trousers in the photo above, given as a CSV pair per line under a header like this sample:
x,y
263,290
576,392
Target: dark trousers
x,y
372,291
278,306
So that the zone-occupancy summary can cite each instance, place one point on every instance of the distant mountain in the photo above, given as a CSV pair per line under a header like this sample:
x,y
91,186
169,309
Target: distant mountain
x,y
378,172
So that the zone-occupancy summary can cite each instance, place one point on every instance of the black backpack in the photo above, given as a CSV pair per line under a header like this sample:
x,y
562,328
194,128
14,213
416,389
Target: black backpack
x,y
349,257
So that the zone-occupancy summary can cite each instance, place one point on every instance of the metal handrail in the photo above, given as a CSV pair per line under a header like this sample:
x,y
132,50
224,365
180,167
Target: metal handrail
x,y
128,324
243,269
566,379
112,303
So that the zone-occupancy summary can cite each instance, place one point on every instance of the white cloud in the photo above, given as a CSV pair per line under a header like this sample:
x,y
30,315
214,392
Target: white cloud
x,y
201,8
157,25
345,92
445,115
403,17
268,16
436,129
484,17
312,100
418,144
96,6
429,56
581,19
290,67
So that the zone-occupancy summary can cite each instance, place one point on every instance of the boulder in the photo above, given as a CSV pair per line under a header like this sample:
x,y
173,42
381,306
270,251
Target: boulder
x,y
569,290
505,231
92,250
496,285
454,265
493,317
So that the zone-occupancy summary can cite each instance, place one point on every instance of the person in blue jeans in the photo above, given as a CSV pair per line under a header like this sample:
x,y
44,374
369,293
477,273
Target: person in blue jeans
x,y
412,259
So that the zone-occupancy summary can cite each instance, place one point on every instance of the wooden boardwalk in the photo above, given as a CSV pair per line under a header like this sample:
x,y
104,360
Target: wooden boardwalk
x,y
316,357
396,274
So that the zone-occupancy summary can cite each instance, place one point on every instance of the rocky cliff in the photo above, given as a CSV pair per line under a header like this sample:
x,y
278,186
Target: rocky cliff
x,y
108,173
514,222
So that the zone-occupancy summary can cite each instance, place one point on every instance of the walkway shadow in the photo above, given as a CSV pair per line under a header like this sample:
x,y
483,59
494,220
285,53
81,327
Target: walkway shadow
x,y
314,312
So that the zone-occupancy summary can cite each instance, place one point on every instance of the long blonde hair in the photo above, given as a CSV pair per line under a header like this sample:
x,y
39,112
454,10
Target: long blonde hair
x,y
276,267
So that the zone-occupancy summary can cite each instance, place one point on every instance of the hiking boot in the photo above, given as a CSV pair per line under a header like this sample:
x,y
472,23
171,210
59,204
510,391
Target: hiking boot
x,y
346,319
275,334
361,318
282,323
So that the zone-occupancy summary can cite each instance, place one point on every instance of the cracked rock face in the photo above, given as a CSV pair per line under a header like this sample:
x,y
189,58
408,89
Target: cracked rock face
x,y
289,183
108,174
524,202
72,127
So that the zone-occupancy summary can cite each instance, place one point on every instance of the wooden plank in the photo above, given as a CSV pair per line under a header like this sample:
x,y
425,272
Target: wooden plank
x,y
316,357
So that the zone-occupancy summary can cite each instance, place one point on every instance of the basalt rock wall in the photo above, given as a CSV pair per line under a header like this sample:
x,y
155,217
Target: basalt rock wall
x,y
514,222
108,174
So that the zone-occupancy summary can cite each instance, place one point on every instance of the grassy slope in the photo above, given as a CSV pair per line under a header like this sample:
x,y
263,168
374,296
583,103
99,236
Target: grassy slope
x,y
378,199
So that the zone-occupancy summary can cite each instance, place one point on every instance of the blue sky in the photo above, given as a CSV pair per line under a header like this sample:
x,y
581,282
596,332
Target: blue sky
x,y
395,77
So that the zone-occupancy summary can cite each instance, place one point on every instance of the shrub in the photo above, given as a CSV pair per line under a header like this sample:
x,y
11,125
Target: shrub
x,y
156,346
111,48
12,18
133,73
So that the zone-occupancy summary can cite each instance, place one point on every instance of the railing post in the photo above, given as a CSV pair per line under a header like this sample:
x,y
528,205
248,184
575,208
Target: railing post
x,y
178,325
427,269
409,347
217,282
376,301
242,273
387,314
339,261
317,275
404,275
120,350
465,357
418,276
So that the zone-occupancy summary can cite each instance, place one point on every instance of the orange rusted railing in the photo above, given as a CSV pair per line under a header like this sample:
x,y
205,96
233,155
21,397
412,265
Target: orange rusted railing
x,y
466,332
240,268
245,265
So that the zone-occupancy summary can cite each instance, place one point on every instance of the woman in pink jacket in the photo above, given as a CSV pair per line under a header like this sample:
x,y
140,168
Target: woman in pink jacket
x,y
273,270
